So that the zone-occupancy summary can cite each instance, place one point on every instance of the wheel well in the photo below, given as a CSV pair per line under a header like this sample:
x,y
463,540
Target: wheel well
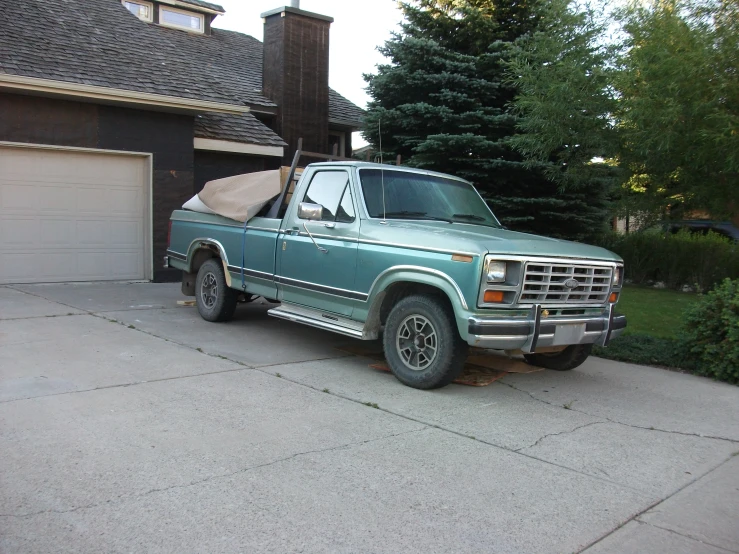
x,y
202,255
397,291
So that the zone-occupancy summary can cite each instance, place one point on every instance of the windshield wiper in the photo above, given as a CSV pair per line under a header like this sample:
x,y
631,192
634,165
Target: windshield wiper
x,y
470,216
473,217
417,215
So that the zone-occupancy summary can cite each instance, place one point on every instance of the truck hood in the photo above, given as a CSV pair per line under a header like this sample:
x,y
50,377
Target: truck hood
x,y
478,239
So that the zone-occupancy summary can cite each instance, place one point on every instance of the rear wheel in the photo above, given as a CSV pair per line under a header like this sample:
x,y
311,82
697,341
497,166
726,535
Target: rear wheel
x,y
569,358
422,345
215,300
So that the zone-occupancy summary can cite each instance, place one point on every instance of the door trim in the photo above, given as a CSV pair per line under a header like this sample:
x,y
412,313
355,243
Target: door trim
x,y
344,293
148,186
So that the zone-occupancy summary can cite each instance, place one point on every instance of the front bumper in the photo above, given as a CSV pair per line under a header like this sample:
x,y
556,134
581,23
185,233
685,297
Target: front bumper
x,y
538,332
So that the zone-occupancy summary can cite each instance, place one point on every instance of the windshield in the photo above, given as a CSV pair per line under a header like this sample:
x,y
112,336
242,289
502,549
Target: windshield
x,y
416,196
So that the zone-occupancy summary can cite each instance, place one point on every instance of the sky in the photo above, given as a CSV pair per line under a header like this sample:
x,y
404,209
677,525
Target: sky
x,y
359,27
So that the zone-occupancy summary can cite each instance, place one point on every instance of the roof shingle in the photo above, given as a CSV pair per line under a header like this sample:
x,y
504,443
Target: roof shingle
x,y
236,128
202,4
100,43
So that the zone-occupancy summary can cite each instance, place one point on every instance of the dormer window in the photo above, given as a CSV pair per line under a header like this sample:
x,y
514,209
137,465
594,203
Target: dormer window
x,y
179,19
143,10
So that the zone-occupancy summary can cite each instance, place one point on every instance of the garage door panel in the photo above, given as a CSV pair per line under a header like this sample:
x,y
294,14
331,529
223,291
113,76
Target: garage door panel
x,y
122,263
92,233
56,199
93,265
16,265
72,216
124,234
18,232
125,201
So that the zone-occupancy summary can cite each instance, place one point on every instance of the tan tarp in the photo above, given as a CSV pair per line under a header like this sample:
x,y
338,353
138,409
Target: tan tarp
x,y
242,196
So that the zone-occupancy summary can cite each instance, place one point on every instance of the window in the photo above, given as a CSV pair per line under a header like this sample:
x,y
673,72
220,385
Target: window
x,y
179,19
331,190
406,195
142,10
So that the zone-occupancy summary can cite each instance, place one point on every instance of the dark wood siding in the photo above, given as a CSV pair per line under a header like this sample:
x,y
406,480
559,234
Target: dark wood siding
x,y
45,121
217,165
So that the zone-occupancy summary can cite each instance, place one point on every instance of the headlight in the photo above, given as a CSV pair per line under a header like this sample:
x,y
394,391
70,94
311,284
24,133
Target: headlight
x,y
618,276
496,272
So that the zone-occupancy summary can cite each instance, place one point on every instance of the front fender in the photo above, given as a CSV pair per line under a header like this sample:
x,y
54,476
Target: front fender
x,y
425,276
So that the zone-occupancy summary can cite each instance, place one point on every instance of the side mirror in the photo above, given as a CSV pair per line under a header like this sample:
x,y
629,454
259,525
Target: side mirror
x,y
311,212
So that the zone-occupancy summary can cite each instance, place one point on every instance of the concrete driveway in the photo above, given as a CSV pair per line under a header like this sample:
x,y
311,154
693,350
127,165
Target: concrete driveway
x,y
128,424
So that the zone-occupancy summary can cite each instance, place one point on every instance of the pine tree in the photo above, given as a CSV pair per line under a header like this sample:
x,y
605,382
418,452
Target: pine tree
x,y
445,103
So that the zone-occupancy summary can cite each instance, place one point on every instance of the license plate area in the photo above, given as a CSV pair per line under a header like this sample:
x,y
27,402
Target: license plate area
x,y
568,333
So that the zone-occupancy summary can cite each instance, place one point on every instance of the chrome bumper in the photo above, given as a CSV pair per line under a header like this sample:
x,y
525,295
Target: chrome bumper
x,y
537,332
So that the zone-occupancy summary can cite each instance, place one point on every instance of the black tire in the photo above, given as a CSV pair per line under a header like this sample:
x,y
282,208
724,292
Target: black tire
x,y
570,358
214,299
436,366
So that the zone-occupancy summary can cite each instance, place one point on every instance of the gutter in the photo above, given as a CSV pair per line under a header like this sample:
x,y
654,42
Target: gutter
x,y
115,96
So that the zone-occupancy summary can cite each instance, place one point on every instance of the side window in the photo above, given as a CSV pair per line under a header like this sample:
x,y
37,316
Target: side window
x,y
330,189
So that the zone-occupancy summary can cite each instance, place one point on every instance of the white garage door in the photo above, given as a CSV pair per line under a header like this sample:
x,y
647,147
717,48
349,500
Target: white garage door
x,y
72,216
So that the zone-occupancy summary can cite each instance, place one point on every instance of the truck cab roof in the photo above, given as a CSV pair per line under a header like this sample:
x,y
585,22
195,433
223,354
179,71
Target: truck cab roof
x,y
370,165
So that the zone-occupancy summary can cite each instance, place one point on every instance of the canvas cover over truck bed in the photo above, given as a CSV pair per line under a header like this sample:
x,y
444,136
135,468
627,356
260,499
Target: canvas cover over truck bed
x,y
240,197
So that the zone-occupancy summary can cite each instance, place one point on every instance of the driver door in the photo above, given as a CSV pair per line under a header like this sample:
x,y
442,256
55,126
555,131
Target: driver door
x,y
321,275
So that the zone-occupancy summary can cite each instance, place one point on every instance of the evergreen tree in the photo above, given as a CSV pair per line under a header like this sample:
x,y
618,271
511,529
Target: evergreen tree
x,y
445,104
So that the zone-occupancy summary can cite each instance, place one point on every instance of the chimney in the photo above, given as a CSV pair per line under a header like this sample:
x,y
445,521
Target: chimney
x,y
295,75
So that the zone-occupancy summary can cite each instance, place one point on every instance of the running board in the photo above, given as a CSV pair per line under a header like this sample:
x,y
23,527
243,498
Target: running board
x,y
319,319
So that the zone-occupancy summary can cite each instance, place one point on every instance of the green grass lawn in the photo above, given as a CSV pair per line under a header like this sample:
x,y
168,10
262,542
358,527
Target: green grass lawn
x,y
653,312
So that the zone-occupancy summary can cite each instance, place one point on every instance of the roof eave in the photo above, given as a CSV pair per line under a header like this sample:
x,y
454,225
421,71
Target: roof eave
x,y
192,7
355,125
48,87
216,145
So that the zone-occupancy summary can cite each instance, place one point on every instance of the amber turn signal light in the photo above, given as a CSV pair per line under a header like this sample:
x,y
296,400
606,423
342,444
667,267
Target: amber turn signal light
x,y
614,298
493,296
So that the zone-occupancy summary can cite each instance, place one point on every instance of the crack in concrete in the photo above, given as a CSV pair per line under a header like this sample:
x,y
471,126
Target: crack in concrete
x,y
48,299
124,385
649,508
39,317
692,538
615,422
567,432
215,477
438,427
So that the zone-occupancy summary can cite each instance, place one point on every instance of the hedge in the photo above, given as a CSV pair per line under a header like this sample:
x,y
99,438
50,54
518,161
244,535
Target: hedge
x,y
678,259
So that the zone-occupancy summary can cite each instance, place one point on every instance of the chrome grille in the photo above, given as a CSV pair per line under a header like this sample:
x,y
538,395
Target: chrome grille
x,y
545,282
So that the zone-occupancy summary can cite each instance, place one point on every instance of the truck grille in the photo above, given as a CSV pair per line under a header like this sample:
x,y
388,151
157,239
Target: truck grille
x,y
545,282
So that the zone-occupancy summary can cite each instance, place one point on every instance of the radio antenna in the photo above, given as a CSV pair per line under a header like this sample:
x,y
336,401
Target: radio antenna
x,y
382,171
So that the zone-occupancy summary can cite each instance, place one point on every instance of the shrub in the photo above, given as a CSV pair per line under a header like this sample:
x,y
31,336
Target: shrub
x,y
679,259
646,350
711,332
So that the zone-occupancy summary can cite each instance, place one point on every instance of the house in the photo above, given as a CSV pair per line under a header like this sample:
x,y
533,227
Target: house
x,y
114,112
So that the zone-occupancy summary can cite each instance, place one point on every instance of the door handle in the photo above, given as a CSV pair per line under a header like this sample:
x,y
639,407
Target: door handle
x,y
329,225
321,248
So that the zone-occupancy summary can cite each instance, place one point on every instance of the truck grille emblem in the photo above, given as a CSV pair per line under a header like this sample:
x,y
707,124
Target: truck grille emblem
x,y
571,283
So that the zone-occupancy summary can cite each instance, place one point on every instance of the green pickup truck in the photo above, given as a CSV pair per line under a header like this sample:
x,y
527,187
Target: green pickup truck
x,y
412,256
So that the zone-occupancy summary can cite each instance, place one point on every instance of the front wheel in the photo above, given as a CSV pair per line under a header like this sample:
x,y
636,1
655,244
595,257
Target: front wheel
x,y
213,297
422,345
569,358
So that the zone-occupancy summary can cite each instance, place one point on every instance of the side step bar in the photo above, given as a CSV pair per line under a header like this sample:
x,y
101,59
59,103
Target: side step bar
x,y
319,319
